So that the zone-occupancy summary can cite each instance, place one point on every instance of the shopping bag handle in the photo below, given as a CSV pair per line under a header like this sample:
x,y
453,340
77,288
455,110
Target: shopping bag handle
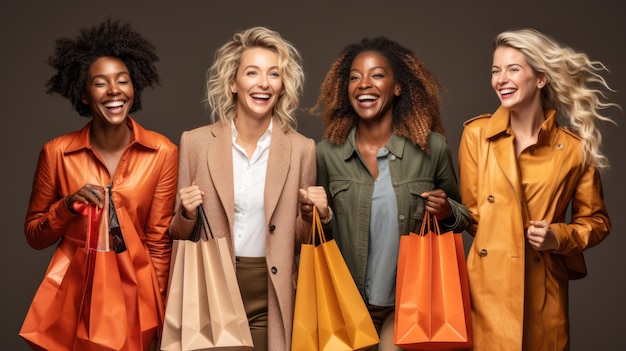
x,y
316,228
202,221
429,222
94,217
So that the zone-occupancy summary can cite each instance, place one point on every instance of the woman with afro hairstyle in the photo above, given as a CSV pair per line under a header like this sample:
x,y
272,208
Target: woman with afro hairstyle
x,y
384,160
250,169
103,72
534,190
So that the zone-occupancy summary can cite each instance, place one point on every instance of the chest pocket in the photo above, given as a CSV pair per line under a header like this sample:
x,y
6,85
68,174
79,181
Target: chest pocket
x,y
339,193
417,203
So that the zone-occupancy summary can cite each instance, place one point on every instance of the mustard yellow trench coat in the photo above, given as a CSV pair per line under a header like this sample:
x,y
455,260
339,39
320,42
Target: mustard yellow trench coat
x,y
520,295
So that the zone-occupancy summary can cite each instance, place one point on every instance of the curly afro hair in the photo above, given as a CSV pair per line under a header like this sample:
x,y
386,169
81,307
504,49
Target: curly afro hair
x,y
73,57
415,112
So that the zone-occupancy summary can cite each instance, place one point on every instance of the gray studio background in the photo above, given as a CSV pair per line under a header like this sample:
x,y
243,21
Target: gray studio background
x,y
452,37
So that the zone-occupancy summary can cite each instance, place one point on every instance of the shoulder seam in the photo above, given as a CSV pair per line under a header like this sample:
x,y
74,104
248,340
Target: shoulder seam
x,y
481,116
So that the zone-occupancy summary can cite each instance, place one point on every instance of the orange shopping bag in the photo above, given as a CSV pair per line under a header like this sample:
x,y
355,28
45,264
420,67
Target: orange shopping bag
x,y
83,310
102,311
432,291
330,313
93,298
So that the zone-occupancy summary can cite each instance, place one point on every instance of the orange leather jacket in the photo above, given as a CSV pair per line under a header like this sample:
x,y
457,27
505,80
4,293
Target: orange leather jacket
x,y
143,191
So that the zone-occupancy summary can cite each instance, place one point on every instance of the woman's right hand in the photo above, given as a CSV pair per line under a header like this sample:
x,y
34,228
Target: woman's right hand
x,y
190,198
89,193
313,196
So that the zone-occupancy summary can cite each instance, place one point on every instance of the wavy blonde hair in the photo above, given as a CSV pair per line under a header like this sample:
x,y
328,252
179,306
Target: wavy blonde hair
x,y
222,73
573,86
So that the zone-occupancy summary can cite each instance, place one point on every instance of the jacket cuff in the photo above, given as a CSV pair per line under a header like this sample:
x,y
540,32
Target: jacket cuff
x,y
453,222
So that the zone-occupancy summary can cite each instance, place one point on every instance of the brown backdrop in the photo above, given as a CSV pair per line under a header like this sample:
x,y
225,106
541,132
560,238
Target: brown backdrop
x,y
453,37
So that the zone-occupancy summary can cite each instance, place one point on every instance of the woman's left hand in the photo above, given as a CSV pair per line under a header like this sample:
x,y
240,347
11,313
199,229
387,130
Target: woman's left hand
x,y
437,203
541,237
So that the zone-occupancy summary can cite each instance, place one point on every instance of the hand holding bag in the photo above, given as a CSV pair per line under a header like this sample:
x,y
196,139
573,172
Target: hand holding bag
x,y
330,313
432,291
86,311
102,320
204,308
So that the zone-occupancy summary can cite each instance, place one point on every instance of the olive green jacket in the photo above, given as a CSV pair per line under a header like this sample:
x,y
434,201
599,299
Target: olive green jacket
x,y
349,184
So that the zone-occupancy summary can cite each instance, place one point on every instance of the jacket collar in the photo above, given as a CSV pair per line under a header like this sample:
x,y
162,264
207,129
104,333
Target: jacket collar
x,y
139,136
395,145
498,132
499,125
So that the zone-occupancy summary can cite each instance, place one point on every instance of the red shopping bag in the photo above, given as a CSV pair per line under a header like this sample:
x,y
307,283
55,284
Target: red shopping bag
x,y
432,291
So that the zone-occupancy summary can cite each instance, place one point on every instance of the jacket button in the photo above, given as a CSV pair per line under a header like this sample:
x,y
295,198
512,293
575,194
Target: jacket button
x,y
274,270
483,253
536,260
490,199
272,228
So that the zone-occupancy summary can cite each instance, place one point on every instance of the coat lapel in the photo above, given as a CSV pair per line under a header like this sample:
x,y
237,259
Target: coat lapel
x,y
277,169
220,165
503,148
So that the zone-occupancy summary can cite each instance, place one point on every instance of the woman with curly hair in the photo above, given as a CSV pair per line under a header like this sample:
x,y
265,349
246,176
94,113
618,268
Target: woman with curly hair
x,y
521,173
384,160
103,72
249,170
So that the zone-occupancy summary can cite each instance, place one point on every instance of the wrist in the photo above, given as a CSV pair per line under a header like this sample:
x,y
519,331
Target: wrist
x,y
328,218
67,204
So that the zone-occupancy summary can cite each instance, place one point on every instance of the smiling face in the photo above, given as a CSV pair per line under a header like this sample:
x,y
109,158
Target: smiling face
x,y
257,84
372,86
109,90
516,83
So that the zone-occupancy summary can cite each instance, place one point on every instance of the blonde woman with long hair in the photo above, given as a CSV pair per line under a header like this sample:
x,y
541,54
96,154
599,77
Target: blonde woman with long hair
x,y
521,169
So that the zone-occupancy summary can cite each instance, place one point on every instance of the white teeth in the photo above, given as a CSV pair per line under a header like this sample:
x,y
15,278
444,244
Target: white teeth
x,y
366,97
114,104
261,96
507,91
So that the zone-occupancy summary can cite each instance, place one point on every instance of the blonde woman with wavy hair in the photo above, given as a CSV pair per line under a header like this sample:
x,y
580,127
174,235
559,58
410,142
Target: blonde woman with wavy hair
x,y
223,102
254,175
572,82
534,190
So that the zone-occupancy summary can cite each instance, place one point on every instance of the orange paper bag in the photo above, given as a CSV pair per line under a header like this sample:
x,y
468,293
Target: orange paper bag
x,y
330,313
432,292
87,311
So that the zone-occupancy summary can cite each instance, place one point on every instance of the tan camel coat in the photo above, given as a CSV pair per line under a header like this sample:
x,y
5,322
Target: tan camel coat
x,y
206,158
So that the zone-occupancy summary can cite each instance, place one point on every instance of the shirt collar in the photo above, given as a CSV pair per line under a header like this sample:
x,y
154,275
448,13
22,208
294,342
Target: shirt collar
x,y
263,141
395,145
139,136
